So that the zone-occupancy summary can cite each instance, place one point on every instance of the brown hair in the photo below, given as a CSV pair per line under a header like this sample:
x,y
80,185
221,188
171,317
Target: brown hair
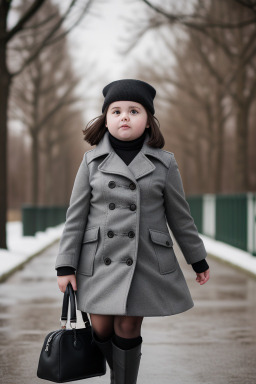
x,y
95,130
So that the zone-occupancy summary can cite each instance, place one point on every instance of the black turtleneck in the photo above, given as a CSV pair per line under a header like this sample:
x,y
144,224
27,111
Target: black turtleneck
x,y
127,150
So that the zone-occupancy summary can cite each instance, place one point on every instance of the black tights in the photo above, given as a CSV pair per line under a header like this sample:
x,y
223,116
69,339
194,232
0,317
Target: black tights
x,y
126,329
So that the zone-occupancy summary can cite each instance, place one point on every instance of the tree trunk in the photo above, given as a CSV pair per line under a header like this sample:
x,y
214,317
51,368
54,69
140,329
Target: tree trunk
x,y
241,122
5,82
210,169
35,168
198,161
219,139
241,148
49,172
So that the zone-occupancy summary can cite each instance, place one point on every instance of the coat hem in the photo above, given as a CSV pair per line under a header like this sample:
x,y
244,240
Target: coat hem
x,y
143,315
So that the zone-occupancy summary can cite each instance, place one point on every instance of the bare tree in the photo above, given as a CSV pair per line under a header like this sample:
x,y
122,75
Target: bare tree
x,y
49,83
229,30
215,75
48,35
203,21
18,170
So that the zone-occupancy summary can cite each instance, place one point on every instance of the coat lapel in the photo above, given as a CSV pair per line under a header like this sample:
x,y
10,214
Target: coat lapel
x,y
139,166
114,164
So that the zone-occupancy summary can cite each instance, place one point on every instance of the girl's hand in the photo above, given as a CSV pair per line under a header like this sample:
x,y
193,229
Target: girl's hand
x,y
203,277
64,280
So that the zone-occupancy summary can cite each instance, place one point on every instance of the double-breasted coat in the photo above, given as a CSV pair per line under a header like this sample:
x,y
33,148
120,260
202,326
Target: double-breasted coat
x,y
116,233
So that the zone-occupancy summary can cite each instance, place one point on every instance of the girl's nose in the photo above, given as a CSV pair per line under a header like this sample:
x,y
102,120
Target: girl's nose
x,y
124,116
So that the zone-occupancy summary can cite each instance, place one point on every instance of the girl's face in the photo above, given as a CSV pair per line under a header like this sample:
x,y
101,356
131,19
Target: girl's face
x,y
126,120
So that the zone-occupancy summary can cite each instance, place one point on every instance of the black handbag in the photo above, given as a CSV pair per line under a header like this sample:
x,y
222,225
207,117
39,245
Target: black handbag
x,y
70,354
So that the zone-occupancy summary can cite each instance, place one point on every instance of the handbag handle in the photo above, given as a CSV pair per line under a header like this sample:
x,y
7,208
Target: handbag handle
x,y
69,296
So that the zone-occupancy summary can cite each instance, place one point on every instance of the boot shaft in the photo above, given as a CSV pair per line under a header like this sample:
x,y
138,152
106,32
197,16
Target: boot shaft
x,y
126,364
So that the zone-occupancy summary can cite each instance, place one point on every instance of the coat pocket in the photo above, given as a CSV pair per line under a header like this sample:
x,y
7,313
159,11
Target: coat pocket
x,y
163,246
88,251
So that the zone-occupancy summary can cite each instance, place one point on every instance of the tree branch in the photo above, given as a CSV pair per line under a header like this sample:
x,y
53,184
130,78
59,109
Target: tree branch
x,y
251,5
42,23
30,12
72,26
44,41
182,17
62,101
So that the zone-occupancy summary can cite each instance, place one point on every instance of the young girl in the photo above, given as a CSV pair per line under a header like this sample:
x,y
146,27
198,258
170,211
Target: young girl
x,y
116,249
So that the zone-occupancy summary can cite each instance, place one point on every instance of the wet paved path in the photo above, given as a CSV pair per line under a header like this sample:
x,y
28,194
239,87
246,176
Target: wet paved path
x,y
212,343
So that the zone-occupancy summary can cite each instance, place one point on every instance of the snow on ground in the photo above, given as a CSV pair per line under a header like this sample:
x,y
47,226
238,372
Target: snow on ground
x,y
230,254
22,248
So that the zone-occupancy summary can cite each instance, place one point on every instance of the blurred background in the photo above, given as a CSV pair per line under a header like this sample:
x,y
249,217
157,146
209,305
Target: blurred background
x,y
56,56
200,55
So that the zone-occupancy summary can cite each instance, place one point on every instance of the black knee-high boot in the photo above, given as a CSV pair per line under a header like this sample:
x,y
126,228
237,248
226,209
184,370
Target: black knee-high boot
x,y
106,349
126,363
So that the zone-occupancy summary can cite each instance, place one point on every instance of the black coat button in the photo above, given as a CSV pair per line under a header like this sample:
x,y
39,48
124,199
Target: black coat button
x,y
112,184
132,186
112,206
110,234
129,261
132,207
107,261
167,243
131,234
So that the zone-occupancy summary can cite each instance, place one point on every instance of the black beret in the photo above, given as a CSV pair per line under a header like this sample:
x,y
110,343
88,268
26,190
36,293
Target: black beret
x,y
129,89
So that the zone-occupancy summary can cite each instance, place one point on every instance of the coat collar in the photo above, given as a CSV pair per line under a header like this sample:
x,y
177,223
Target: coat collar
x,y
139,166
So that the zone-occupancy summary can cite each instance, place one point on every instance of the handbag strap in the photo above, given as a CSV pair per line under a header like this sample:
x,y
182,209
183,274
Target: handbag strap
x,y
69,297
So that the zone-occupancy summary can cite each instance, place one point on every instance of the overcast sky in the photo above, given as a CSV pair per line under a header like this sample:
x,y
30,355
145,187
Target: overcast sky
x,y
95,46
108,28
96,42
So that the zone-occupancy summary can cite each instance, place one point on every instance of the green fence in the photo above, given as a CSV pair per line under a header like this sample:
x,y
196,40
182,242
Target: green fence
x,y
38,218
230,218
196,209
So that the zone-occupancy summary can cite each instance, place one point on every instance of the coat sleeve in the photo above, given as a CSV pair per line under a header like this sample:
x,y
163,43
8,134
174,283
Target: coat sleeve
x,y
179,217
76,219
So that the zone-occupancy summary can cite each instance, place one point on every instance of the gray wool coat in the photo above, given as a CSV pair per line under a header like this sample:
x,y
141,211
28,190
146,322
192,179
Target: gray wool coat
x,y
116,234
